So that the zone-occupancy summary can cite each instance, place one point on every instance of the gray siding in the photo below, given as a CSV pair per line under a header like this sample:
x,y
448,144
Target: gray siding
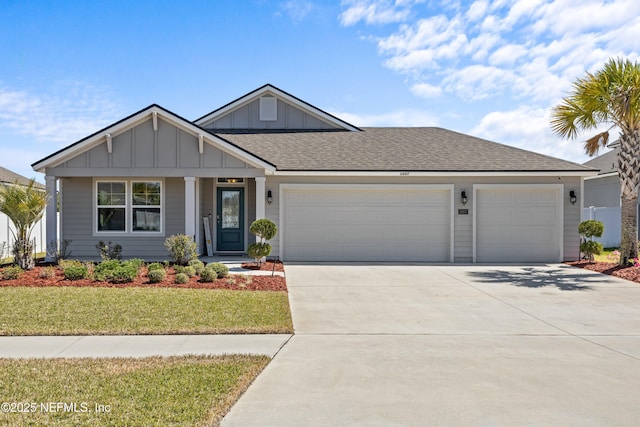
x,y
77,222
289,117
602,192
140,151
463,224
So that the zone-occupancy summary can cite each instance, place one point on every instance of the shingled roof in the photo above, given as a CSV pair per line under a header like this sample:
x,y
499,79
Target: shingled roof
x,y
9,177
429,149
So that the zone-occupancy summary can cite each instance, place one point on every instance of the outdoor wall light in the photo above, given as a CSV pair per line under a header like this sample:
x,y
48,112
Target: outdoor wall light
x,y
572,197
463,197
269,197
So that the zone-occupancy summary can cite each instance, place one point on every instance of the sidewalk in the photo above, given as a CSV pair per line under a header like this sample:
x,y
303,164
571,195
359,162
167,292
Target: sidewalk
x,y
140,345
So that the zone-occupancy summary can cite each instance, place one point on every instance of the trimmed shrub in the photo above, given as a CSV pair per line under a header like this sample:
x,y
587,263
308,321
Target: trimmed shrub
x,y
12,273
136,262
157,276
208,275
47,273
588,230
115,271
189,271
266,230
182,278
182,248
197,265
258,251
155,266
76,272
220,269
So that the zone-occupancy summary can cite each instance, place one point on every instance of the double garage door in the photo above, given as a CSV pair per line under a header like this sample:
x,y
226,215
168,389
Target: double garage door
x,y
415,223
367,223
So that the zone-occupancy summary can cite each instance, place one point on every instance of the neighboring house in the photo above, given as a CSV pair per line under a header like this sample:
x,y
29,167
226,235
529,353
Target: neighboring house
x,y
8,177
602,195
337,192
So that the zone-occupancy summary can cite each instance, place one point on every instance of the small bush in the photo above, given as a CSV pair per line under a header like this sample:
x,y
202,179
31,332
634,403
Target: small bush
x,y
220,269
47,273
109,250
591,248
182,248
263,228
155,266
76,272
64,263
189,271
258,251
12,273
136,262
197,265
208,275
157,276
115,271
182,278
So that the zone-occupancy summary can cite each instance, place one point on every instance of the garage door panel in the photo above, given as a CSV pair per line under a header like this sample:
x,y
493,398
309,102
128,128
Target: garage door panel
x,y
367,225
518,225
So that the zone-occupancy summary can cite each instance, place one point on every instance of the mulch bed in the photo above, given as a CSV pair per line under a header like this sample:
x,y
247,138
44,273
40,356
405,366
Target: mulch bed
x,y
265,266
612,269
233,282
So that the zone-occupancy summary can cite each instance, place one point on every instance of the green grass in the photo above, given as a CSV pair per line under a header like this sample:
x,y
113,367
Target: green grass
x,y
175,391
118,311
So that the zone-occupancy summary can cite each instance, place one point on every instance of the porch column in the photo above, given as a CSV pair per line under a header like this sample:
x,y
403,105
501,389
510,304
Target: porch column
x,y
52,216
190,206
260,195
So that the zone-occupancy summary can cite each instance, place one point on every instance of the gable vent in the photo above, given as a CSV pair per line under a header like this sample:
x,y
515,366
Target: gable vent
x,y
268,108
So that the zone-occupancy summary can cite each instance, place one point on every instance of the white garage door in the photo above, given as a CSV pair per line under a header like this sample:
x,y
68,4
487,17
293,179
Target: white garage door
x,y
518,225
367,224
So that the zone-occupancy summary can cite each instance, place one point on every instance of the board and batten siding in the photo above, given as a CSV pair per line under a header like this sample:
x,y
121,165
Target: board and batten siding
x,y
77,221
288,117
141,151
463,223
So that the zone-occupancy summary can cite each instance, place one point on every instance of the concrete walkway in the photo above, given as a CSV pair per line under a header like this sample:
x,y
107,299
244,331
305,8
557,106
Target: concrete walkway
x,y
140,345
452,346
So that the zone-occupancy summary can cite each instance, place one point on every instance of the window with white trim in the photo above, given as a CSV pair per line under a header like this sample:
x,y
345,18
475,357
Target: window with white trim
x,y
112,206
129,207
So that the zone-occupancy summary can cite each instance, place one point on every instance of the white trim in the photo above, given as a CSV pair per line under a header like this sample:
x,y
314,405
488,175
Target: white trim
x,y
285,187
558,188
268,89
431,174
604,175
190,206
119,128
129,208
260,197
51,214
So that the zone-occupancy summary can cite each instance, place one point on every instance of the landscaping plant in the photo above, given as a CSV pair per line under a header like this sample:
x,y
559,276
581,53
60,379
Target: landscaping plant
x,y
588,230
182,248
220,269
24,205
265,230
109,250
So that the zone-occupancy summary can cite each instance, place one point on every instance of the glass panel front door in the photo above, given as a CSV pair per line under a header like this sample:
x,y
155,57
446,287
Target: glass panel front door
x,y
230,219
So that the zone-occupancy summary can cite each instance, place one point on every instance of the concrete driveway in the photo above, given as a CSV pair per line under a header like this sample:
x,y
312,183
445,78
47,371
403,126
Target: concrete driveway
x,y
416,345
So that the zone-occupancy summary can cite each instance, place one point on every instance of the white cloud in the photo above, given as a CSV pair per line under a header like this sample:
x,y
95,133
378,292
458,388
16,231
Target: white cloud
x,y
425,90
400,118
375,11
477,10
297,10
507,55
77,111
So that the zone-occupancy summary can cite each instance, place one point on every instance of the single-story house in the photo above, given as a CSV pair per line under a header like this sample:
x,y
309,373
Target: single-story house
x,y
336,191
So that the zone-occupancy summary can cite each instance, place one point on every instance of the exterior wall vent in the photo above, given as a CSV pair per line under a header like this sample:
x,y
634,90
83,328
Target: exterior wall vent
x,y
268,108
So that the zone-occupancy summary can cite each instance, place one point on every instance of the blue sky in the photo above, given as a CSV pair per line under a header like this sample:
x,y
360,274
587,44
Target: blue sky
x,y
492,69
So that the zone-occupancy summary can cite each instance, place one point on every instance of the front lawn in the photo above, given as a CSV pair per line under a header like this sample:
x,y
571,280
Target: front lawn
x,y
174,391
138,310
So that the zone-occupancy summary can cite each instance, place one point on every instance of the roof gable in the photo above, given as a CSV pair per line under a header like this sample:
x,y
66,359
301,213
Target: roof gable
x,y
291,113
154,114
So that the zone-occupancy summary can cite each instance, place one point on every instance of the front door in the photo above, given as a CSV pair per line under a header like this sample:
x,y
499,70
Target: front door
x,y
230,219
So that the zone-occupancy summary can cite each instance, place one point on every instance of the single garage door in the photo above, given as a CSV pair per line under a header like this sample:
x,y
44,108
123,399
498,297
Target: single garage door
x,y
518,224
367,223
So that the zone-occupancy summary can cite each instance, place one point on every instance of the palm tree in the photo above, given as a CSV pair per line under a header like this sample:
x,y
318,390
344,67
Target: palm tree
x,y
610,96
25,206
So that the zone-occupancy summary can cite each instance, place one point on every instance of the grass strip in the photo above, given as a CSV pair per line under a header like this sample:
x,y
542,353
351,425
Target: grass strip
x,y
130,311
173,391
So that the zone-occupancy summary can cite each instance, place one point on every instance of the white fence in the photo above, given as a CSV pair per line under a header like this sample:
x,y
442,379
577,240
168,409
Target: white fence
x,y
610,217
39,234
